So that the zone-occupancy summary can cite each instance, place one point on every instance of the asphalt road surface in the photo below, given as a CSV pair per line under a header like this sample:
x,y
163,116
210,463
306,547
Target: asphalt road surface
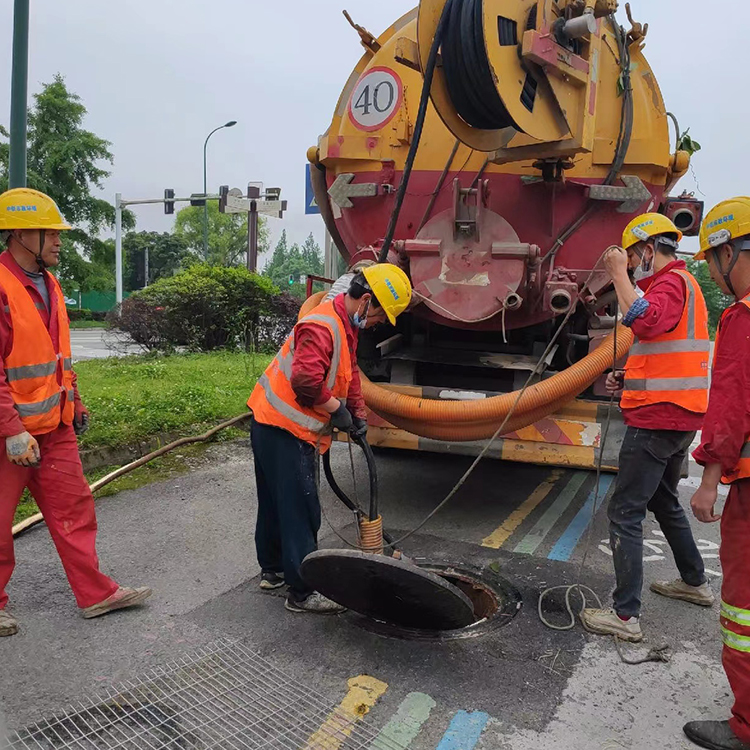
x,y
97,343
518,687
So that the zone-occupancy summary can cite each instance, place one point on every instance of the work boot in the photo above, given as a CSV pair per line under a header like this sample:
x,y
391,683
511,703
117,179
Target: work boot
x,y
678,589
715,735
8,623
607,622
314,603
122,598
270,580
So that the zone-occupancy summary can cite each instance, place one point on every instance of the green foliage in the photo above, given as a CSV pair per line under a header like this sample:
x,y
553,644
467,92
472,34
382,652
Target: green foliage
x,y
133,398
65,161
166,255
296,262
716,300
203,308
227,234
686,143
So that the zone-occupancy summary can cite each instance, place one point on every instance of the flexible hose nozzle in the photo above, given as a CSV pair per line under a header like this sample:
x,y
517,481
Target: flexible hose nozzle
x,y
371,535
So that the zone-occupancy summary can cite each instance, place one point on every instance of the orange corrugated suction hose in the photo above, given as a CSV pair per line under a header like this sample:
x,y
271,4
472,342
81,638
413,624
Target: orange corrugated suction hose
x,y
476,420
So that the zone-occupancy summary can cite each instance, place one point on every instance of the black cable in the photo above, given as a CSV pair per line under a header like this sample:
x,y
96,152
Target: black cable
x,y
418,126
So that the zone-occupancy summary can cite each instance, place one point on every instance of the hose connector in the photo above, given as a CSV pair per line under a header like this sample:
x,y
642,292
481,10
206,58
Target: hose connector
x,y
371,535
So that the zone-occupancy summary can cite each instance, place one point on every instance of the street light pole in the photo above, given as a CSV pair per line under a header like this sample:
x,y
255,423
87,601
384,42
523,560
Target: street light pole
x,y
229,124
19,95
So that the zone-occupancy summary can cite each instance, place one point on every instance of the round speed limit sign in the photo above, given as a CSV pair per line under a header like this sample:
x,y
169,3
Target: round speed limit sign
x,y
376,99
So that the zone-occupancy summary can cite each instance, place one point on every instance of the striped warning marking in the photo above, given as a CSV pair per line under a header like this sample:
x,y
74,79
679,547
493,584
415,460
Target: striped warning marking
x,y
464,731
541,529
566,544
501,535
405,724
363,694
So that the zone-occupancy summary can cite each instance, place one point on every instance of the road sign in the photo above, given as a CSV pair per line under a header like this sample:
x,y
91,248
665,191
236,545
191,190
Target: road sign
x,y
343,189
238,204
311,206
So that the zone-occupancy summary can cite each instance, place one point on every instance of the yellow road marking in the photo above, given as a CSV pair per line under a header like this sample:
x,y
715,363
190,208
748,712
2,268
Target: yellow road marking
x,y
363,694
504,532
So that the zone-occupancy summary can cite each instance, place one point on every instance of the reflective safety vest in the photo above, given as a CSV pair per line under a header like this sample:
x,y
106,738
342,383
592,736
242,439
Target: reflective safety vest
x,y
38,375
672,368
273,400
742,470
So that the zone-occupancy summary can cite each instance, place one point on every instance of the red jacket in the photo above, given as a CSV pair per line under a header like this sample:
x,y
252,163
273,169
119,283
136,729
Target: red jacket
x,y
728,417
313,350
665,293
10,422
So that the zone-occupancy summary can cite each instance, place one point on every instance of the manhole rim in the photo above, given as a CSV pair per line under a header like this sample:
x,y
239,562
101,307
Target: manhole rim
x,y
507,596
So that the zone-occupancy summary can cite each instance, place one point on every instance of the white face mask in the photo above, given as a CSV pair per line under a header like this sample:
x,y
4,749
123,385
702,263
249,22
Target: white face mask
x,y
645,270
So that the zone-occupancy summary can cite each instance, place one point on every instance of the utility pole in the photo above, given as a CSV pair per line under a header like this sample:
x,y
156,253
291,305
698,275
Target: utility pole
x,y
118,248
253,192
145,270
19,95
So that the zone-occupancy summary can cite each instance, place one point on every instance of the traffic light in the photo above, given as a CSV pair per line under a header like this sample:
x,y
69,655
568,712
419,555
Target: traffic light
x,y
168,203
223,192
197,199
291,279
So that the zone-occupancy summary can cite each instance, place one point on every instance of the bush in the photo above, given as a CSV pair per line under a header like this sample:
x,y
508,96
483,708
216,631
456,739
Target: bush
x,y
74,314
206,308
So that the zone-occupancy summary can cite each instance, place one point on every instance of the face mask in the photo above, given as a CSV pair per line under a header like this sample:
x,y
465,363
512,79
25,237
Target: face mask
x,y
645,270
361,321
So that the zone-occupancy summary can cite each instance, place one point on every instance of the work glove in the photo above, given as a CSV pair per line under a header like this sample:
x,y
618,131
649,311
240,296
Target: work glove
x,y
22,450
341,419
359,428
615,382
81,419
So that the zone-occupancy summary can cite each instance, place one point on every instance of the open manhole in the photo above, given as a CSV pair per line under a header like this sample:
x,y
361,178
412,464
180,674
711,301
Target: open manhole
x,y
413,599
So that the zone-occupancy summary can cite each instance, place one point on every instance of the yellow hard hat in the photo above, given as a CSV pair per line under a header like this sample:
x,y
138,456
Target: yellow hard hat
x,y
646,226
24,208
727,221
391,287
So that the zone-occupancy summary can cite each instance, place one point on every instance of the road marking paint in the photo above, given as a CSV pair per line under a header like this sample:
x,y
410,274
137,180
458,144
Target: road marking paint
x,y
501,535
529,544
363,694
405,724
464,731
567,543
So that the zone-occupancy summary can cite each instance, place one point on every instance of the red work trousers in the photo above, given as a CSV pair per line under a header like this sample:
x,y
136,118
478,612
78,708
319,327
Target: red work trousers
x,y
64,498
735,602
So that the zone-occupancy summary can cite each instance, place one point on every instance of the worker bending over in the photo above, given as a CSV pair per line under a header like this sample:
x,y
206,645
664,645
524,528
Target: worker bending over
x,y
40,409
312,386
664,398
724,453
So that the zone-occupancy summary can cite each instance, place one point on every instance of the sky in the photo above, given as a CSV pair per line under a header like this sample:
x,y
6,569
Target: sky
x,y
157,76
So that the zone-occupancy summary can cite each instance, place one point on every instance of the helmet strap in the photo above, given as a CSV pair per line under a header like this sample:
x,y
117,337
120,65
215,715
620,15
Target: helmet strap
x,y
37,256
737,249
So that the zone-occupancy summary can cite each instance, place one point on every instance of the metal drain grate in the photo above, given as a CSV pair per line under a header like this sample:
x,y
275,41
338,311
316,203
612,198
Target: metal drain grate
x,y
222,696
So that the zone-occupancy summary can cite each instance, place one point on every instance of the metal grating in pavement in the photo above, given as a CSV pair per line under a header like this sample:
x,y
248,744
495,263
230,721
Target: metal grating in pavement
x,y
222,696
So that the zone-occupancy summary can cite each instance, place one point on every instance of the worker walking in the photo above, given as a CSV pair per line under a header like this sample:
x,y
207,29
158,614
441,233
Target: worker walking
x,y
664,397
312,386
40,409
724,453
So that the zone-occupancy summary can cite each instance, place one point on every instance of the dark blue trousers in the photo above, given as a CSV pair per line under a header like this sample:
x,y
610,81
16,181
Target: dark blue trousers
x,y
650,466
288,505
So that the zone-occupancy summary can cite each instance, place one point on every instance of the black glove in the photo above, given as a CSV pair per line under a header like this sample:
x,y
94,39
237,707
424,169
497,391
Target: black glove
x,y
341,419
359,428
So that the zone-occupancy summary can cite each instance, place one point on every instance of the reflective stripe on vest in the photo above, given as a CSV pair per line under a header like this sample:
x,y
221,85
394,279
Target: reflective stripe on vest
x,y
274,402
39,378
685,351
742,469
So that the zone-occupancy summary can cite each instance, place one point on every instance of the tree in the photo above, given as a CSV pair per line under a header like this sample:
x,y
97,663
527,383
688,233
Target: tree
x,y
65,161
716,300
294,262
166,255
227,234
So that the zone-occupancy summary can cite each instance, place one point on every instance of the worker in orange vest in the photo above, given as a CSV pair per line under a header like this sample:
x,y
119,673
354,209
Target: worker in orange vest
x,y
664,397
311,387
724,453
40,411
